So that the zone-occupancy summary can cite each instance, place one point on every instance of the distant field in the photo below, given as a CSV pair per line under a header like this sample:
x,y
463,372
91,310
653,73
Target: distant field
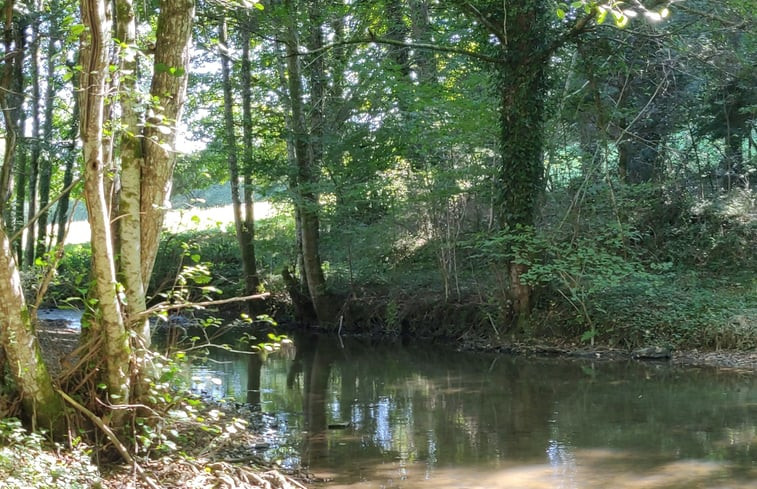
x,y
183,220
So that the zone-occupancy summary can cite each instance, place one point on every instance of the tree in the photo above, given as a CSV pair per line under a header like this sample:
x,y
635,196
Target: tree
x,y
242,204
307,152
147,160
21,350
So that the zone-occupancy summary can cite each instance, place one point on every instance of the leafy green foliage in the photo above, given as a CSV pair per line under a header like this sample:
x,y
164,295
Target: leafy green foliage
x,y
26,462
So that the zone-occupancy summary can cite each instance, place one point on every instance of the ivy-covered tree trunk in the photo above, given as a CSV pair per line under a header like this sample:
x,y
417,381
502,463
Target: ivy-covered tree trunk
x,y
522,87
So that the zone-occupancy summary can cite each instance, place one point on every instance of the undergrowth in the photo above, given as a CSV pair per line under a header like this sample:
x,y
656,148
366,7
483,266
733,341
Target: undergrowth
x,y
656,267
27,461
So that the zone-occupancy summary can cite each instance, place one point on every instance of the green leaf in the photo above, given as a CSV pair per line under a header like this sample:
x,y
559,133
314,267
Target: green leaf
x,y
77,29
601,16
560,13
588,335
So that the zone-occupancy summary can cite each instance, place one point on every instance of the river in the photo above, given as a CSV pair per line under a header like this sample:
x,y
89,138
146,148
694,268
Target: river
x,y
368,414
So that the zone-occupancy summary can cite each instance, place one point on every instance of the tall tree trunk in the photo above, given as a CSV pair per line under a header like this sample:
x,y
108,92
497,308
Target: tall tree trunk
x,y
11,98
129,196
252,280
45,171
304,311
95,60
522,87
306,178
230,138
36,146
70,158
168,90
241,202
309,173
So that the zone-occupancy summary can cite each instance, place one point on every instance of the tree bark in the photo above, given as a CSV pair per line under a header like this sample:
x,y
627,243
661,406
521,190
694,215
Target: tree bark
x,y
252,280
297,287
306,179
95,61
241,201
40,401
45,170
68,172
168,89
36,146
129,196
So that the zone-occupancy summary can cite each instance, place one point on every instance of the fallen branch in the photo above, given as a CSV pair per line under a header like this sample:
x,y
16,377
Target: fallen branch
x,y
112,437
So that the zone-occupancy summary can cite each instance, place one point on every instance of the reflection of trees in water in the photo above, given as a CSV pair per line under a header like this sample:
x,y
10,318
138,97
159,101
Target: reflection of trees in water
x,y
435,410
451,408
254,370
314,362
416,404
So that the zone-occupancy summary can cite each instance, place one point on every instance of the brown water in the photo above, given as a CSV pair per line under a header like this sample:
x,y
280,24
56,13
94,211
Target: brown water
x,y
387,416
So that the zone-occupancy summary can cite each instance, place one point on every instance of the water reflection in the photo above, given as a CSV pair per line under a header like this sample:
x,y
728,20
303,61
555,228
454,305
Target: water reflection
x,y
381,415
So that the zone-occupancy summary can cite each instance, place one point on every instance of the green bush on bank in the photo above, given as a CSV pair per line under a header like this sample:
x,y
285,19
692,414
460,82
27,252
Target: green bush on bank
x,y
654,268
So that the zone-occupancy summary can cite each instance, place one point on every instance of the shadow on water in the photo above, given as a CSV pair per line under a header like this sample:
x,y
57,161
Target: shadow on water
x,y
379,415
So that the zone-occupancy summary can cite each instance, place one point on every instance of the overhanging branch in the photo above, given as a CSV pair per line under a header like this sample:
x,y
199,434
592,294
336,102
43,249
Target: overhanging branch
x,y
372,39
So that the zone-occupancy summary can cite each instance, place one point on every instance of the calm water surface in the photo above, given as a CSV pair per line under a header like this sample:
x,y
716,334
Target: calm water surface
x,y
369,415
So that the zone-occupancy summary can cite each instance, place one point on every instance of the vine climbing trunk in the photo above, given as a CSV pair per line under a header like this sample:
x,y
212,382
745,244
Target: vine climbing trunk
x,y
522,90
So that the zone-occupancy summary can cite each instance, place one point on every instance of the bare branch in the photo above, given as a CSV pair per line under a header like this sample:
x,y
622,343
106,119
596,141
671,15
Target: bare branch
x,y
186,305
46,208
582,25
372,39
500,34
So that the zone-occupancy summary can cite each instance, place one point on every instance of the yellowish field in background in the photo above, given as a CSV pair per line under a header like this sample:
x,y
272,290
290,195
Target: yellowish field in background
x,y
183,220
